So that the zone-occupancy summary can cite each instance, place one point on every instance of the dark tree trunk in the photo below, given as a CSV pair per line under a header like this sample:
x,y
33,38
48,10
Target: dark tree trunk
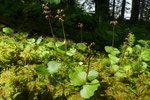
x,y
142,9
123,9
71,2
135,10
102,7
114,5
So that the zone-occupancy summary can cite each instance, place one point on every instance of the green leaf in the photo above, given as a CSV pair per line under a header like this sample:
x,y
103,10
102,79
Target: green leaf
x,y
112,50
77,78
145,55
53,66
61,51
115,68
89,89
39,40
30,41
79,69
71,52
108,49
81,46
58,44
41,70
92,74
8,30
50,45
115,51
120,74
113,59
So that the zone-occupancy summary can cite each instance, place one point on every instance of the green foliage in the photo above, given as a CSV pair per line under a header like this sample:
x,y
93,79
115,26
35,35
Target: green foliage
x,y
89,89
8,30
78,77
40,68
81,46
92,75
53,66
145,55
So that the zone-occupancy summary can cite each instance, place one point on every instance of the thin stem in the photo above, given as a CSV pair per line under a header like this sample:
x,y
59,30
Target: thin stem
x,y
113,36
64,36
51,26
89,61
123,55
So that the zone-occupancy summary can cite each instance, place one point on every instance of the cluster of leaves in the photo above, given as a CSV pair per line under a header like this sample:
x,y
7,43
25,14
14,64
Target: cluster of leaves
x,y
128,71
37,67
41,69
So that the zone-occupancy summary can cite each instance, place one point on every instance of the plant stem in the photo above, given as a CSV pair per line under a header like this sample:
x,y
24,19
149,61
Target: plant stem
x,y
81,35
50,25
64,36
113,36
123,55
89,61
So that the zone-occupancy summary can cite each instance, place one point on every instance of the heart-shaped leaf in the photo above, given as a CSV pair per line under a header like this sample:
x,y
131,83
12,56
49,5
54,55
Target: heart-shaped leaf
x,y
53,66
77,78
108,49
92,74
71,52
89,89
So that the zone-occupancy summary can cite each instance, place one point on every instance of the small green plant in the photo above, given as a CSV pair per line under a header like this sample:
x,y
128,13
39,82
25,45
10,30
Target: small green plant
x,y
80,77
60,15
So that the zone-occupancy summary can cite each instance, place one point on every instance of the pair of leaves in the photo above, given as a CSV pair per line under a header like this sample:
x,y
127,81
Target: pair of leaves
x,y
78,78
52,68
123,72
113,51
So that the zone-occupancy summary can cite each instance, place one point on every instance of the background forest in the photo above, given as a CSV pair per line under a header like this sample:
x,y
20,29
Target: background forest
x,y
27,16
74,50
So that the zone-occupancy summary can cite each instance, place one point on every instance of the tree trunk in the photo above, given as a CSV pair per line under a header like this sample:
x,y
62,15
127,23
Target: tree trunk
x,y
135,10
123,9
142,9
102,7
114,5
71,2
